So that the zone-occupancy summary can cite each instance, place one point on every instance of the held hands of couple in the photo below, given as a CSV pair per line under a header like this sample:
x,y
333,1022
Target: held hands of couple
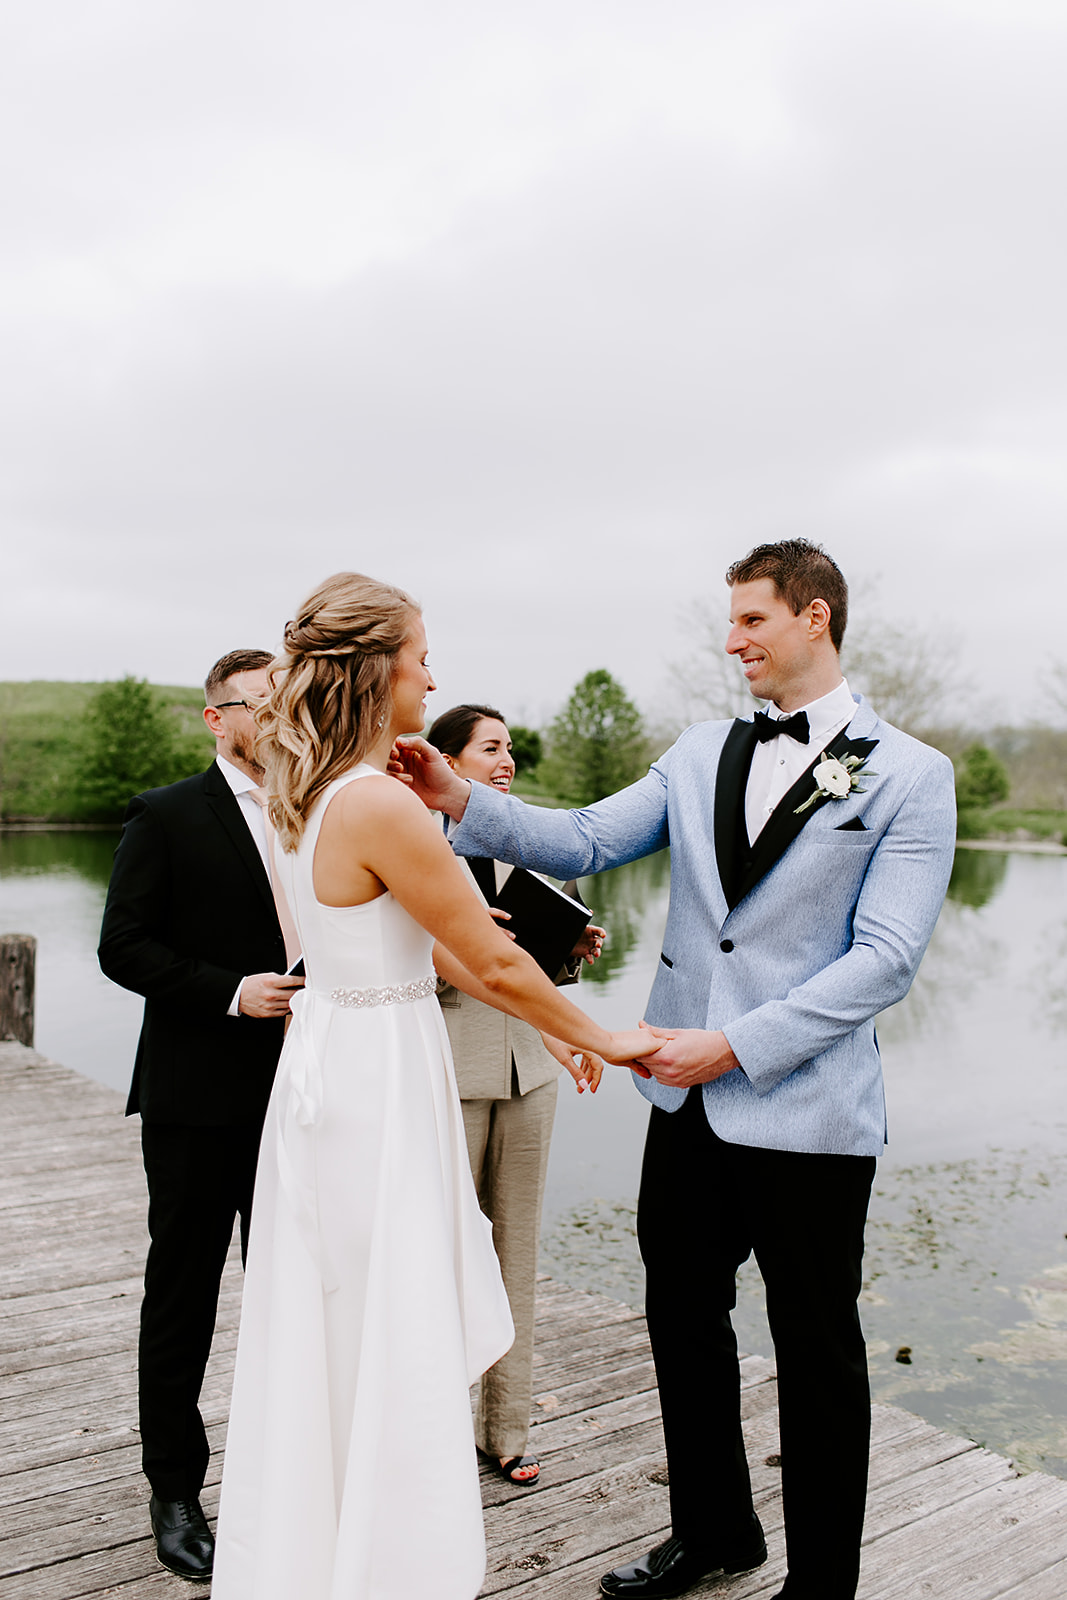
x,y
621,1050
625,1049
685,1056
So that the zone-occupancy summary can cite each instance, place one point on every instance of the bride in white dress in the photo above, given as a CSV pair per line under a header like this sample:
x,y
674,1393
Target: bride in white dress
x,y
372,1294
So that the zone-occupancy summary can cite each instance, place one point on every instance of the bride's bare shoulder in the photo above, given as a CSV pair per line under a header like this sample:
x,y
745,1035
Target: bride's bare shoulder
x,y
377,796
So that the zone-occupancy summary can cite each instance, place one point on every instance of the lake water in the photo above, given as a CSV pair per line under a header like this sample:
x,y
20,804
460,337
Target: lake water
x,y
966,1256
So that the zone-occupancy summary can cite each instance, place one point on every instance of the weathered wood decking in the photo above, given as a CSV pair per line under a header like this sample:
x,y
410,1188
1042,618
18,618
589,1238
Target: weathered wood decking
x,y
945,1518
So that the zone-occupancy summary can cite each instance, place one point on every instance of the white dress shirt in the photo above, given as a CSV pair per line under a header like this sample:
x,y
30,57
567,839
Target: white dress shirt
x,y
252,812
778,764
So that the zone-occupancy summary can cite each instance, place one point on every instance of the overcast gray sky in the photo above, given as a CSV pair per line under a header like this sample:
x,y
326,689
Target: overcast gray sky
x,y
545,312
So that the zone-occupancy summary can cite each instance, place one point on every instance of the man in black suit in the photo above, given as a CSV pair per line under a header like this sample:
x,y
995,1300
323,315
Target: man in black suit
x,y
191,924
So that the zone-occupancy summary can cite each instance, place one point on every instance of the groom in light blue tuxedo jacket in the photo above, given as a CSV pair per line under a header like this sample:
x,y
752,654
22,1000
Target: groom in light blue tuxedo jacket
x,y
793,956
791,925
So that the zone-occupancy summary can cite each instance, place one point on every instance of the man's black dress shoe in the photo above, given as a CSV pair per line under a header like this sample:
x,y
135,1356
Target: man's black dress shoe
x,y
671,1568
184,1542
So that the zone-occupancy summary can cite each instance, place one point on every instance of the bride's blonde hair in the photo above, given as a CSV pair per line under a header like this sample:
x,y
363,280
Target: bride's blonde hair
x,y
331,691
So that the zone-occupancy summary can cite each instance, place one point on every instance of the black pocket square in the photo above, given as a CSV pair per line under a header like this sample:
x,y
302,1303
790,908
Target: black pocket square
x,y
667,962
853,825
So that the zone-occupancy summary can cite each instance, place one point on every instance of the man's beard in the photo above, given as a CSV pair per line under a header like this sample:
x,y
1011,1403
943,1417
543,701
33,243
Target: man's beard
x,y
245,750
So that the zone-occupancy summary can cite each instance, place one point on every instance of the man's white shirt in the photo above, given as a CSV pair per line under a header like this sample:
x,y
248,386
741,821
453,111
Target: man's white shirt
x,y
242,785
778,764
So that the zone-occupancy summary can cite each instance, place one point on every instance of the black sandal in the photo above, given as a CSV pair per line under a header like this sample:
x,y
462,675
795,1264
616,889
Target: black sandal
x,y
507,1468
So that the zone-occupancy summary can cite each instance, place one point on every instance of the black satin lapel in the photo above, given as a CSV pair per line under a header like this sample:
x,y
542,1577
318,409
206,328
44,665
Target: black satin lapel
x,y
730,781
783,825
223,802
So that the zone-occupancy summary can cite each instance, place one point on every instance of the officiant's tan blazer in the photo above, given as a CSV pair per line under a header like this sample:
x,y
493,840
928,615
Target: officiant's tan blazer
x,y
485,1042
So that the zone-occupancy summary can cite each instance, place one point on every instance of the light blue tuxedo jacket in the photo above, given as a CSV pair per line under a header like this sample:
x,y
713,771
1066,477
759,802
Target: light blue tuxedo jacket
x,y
793,953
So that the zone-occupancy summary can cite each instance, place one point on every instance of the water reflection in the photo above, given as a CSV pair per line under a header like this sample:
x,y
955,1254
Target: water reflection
x,y
82,853
1050,981
964,955
966,1263
976,876
52,884
621,899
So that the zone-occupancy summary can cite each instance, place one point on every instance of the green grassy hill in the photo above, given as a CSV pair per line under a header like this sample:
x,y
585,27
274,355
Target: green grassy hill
x,y
41,727
42,731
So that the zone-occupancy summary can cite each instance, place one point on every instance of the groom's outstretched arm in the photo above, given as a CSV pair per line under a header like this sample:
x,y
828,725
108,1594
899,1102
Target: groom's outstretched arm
x,y
566,844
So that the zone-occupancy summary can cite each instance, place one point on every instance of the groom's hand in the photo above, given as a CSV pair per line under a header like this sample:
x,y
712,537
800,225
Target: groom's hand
x,y
417,763
688,1056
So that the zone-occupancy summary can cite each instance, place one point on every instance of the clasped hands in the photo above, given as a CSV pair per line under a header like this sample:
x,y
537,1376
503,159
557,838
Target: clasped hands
x,y
687,1056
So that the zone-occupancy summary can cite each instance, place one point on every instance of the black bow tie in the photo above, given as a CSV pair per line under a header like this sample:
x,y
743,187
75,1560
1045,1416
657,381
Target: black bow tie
x,y
795,726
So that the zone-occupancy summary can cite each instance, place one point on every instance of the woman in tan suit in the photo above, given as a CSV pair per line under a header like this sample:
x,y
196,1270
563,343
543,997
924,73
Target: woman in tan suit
x,y
507,1074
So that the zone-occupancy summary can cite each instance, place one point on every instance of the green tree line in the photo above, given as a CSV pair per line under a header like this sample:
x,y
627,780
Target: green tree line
x,y
77,752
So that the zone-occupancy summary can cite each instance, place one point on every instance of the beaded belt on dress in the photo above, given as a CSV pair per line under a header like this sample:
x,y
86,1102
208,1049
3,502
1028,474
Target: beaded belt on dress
x,y
393,994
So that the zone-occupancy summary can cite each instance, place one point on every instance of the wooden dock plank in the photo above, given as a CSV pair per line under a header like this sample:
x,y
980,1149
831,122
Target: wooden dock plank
x,y
945,1517
1048,1585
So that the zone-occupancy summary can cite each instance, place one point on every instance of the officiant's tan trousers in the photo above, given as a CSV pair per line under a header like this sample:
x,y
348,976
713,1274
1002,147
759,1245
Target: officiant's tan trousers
x,y
508,1142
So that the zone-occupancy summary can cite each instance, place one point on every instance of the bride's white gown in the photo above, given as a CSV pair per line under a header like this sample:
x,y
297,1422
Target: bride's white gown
x,y
372,1297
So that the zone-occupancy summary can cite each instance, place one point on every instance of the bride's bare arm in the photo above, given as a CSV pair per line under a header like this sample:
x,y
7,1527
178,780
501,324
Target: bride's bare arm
x,y
452,970
586,1073
378,835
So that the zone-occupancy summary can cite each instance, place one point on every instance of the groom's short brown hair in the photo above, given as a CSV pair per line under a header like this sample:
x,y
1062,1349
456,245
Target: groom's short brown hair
x,y
801,572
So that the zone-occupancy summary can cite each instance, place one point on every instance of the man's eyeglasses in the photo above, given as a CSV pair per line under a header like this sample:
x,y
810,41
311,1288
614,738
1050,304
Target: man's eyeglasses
x,y
251,706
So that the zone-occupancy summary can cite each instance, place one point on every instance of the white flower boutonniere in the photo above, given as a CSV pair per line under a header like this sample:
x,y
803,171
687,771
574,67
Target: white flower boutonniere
x,y
835,780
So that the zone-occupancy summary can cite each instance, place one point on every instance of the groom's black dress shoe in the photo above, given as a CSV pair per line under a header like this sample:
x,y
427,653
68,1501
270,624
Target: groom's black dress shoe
x,y
671,1567
184,1542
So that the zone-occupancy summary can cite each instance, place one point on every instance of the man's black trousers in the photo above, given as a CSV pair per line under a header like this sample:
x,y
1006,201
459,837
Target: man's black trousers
x,y
705,1205
199,1181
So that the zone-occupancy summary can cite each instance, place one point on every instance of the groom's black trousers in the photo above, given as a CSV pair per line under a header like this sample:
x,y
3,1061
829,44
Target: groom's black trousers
x,y
704,1207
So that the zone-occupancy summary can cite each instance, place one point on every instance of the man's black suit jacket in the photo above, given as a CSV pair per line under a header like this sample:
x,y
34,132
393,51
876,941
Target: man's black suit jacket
x,y
190,913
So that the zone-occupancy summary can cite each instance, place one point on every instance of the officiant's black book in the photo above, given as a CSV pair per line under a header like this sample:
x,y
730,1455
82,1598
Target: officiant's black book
x,y
546,922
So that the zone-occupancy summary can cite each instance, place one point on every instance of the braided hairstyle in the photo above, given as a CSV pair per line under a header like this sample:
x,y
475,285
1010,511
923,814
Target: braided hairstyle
x,y
331,691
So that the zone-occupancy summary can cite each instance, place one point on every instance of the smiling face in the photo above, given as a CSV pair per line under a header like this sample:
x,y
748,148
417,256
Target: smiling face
x,y
486,757
412,681
788,659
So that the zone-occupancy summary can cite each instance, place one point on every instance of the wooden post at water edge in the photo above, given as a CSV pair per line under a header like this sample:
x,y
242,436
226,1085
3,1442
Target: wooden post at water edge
x,y
18,957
